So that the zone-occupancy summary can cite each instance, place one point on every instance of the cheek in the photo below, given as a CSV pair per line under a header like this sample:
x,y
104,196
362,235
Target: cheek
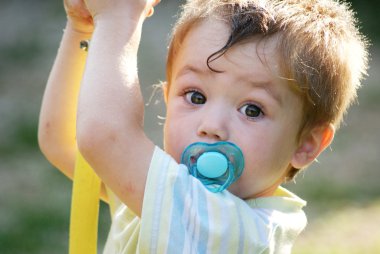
x,y
171,142
267,153
176,136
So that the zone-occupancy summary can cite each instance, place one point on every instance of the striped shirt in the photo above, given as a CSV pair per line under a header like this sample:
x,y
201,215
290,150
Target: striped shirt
x,y
180,215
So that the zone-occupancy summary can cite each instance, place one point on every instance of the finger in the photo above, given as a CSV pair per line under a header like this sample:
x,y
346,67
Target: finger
x,y
156,2
150,12
153,2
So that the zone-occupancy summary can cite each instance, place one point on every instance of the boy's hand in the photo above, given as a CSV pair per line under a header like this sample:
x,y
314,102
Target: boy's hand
x,y
79,16
123,9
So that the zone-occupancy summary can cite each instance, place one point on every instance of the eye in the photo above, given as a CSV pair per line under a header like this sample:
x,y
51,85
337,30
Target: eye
x,y
195,97
251,111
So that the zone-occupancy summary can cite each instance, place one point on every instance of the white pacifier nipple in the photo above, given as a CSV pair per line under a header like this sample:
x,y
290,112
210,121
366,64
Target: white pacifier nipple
x,y
212,164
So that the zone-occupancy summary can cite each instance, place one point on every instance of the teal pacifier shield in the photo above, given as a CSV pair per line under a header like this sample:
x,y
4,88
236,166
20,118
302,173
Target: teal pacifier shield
x,y
212,164
216,165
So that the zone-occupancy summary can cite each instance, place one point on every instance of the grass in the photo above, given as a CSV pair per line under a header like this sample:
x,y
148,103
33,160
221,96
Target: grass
x,y
352,229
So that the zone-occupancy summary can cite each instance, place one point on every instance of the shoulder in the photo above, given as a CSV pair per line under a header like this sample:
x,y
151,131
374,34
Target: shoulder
x,y
285,217
282,206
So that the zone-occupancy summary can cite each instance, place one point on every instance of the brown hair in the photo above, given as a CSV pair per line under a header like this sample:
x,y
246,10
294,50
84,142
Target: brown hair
x,y
322,53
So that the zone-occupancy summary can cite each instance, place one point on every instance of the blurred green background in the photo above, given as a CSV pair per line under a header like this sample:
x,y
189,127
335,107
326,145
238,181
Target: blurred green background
x,y
342,189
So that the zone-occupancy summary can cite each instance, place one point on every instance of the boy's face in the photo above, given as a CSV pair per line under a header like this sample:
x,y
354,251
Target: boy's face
x,y
246,104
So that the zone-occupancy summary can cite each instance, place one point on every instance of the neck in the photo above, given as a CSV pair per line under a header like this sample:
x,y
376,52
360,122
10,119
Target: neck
x,y
267,192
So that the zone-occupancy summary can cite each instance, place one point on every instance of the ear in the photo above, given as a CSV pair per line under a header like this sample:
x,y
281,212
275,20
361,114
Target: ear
x,y
313,144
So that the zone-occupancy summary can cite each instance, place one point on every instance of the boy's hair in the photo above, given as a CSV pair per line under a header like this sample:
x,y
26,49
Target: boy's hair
x,y
323,56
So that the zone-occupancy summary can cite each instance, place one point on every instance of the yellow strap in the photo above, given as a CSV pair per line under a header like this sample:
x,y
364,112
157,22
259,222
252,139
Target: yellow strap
x,y
84,209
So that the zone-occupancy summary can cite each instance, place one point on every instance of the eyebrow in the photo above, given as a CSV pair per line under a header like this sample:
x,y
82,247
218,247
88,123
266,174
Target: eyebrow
x,y
268,87
189,68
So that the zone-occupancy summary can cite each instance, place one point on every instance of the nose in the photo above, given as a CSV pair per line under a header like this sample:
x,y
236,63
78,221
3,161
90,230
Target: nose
x,y
214,125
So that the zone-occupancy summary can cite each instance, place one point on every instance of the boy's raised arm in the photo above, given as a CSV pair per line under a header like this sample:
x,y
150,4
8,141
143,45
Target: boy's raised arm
x,y
57,123
110,131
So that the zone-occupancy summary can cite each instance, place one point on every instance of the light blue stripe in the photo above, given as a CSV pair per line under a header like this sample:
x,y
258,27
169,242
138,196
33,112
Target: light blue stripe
x,y
203,221
158,205
177,231
225,221
192,217
241,230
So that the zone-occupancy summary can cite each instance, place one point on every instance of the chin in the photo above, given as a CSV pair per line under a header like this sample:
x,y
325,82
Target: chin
x,y
236,190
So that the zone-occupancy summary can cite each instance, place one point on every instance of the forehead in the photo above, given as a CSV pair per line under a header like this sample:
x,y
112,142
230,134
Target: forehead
x,y
253,58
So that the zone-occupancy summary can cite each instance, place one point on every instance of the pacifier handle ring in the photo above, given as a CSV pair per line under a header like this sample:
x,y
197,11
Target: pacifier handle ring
x,y
226,183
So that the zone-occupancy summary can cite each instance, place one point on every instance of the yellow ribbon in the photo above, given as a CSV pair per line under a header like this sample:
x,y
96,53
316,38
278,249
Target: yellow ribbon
x,y
84,209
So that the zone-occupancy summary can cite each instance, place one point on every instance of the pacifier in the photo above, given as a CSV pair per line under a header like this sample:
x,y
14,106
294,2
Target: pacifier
x,y
216,165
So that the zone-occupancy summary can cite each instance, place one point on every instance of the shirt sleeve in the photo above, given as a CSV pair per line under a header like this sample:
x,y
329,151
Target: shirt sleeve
x,y
180,215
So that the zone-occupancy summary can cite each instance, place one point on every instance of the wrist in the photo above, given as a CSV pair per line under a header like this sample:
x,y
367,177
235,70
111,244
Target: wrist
x,y
119,31
124,14
79,33
80,26
75,38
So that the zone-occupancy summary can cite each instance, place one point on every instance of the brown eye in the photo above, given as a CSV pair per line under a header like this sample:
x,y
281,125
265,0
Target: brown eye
x,y
195,97
251,111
